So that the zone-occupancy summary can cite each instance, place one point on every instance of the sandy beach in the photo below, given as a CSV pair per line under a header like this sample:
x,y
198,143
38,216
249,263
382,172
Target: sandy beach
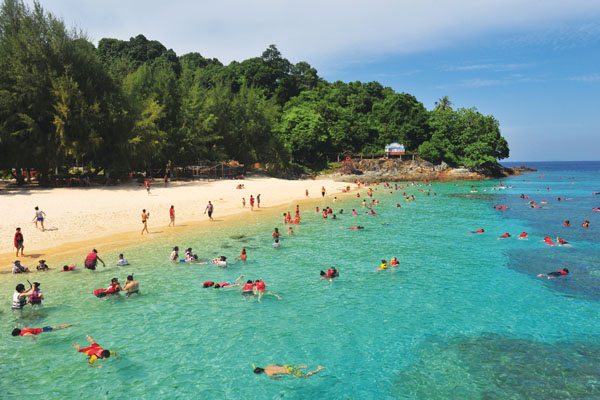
x,y
107,217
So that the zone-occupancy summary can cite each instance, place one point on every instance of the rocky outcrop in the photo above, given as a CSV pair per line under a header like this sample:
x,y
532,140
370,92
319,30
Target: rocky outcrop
x,y
380,169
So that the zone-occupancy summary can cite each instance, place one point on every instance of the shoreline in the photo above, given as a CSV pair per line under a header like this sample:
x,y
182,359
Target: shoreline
x,y
227,213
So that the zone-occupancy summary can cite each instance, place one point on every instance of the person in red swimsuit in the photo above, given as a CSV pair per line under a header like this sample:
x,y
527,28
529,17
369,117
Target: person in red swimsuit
x,y
33,332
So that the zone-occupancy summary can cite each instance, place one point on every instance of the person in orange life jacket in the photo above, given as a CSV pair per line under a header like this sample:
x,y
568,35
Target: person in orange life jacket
x,y
331,273
33,332
247,289
92,259
567,223
555,274
94,352
243,256
112,289
504,236
259,288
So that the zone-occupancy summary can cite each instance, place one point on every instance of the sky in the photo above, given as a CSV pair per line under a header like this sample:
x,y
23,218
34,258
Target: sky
x,y
532,64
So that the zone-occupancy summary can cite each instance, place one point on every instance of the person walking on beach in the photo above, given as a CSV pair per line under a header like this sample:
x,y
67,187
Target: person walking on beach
x,y
19,241
94,352
251,203
209,208
147,185
243,202
323,191
274,370
306,192
39,217
258,200
172,216
145,217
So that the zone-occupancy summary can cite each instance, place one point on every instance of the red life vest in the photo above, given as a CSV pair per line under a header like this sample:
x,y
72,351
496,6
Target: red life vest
x,y
35,331
260,285
35,298
91,258
247,287
562,272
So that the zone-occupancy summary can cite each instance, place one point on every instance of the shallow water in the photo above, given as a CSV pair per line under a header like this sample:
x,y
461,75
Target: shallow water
x,y
464,314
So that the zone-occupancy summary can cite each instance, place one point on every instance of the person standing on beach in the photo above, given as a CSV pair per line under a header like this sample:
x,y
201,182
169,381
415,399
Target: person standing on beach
x,y
209,208
145,217
39,217
251,203
172,216
258,200
19,241
166,180
147,185
323,191
306,192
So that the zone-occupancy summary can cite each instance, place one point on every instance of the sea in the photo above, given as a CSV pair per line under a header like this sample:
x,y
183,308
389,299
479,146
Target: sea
x,y
464,315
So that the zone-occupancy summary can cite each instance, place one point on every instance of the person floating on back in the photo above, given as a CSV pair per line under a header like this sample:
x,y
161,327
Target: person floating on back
x,y
276,370
94,352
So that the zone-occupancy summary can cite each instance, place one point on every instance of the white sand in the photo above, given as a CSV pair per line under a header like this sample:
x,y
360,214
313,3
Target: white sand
x,y
82,214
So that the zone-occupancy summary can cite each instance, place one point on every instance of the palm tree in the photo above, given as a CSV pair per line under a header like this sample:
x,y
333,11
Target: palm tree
x,y
443,104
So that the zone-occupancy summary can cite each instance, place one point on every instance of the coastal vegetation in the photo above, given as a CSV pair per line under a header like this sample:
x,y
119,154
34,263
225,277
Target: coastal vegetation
x,y
136,105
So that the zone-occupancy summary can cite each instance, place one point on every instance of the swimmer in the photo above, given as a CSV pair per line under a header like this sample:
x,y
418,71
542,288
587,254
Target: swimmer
x,y
480,230
42,266
523,235
247,289
504,236
259,289
555,274
330,274
383,266
562,242
274,370
33,332
276,233
354,212
122,261
66,268
354,228
398,205
567,223
131,286
290,231
394,262
276,244
223,284
243,256
189,257
174,254
586,224
94,352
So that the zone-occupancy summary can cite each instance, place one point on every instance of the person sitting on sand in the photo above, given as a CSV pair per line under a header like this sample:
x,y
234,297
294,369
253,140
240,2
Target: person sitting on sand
x,y
274,370
555,274
131,286
33,332
122,261
94,352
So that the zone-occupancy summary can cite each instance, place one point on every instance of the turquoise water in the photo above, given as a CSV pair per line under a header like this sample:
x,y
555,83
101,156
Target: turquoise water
x,y
464,316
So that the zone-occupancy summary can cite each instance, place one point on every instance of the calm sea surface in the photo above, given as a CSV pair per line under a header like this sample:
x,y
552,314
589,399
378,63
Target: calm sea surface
x,y
464,316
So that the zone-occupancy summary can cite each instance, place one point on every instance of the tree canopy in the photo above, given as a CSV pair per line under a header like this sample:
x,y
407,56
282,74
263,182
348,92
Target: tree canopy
x,y
136,105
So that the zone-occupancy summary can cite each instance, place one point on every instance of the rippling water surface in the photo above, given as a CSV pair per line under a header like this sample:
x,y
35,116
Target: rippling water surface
x,y
464,316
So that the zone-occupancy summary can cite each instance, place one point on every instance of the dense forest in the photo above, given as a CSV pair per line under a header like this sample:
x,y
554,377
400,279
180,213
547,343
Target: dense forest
x,y
135,105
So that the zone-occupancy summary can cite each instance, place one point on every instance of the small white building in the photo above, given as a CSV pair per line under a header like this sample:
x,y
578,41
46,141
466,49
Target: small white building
x,y
394,149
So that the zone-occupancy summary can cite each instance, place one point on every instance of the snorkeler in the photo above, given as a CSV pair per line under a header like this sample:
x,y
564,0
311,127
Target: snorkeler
x,y
330,274
223,284
94,352
131,286
259,289
354,228
555,274
274,370
247,289
33,332
523,235
504,236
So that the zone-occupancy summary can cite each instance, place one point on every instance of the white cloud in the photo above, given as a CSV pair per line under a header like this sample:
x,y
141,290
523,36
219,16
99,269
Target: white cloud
x,y
586,78
315,30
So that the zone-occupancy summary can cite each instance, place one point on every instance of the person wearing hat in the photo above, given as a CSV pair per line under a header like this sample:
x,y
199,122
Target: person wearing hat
x,y
42,266
18,268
